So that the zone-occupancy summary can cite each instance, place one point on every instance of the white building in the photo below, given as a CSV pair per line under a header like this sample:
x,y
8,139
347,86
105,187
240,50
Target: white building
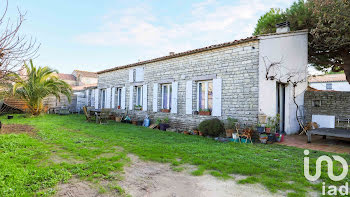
x,y
335,82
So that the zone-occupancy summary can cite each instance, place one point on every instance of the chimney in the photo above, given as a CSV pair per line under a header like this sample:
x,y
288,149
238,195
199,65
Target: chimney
x,y
282,27
171,53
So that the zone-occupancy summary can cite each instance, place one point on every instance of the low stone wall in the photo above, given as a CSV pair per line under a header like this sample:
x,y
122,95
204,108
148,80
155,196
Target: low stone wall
x,y
327,103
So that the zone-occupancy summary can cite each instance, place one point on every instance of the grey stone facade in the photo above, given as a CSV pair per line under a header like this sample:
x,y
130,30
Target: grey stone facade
x,y
236,65
331,103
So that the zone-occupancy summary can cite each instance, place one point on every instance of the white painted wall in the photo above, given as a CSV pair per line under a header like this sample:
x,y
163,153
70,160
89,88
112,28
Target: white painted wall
x,y
337,86
292,51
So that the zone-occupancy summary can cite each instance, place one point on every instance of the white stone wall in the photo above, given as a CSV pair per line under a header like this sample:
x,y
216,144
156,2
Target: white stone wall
x,y
291,50
236,65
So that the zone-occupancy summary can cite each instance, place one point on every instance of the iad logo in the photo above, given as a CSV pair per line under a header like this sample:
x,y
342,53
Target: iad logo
x,y
330,167
332,190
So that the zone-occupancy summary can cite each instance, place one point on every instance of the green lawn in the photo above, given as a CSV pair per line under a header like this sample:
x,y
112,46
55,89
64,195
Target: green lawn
x,y
91,152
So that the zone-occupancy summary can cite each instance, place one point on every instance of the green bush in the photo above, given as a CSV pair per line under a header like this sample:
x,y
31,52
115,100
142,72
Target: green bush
x,y
213,127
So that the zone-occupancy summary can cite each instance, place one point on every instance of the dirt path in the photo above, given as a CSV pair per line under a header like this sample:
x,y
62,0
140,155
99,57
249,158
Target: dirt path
x,y
156,179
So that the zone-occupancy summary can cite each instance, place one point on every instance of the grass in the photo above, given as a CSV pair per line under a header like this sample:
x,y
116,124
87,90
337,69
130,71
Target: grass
x,y
276,167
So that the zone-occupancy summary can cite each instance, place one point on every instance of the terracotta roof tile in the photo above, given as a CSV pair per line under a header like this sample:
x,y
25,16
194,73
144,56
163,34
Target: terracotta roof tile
x,y
86,73
328,78
66,76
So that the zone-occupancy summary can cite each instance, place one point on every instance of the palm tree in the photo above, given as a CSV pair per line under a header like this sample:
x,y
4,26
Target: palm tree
x,y
39,83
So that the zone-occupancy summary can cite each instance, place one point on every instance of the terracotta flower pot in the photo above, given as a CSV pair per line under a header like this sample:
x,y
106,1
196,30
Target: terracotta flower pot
x,y
229,132
119,107
204,113
267,130
196,132
200,133
134,122
186,132
165,110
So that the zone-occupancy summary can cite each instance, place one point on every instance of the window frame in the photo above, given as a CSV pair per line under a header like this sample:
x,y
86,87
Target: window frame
x,y
137,96
119,96
206,91
103,98
169,92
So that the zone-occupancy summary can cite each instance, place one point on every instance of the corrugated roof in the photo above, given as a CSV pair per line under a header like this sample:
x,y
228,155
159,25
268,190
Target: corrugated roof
x,y
211,47
328,78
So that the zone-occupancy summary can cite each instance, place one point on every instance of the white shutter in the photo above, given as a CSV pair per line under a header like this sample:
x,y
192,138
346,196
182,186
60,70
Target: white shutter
x,y
155,97
96,98
113,97
174,97
87,97
217,90
123,98
139,74
131,95
188,97
108,97
131,75
144,97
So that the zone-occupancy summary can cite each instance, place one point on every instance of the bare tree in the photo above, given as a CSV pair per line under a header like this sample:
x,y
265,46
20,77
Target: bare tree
x,y
276,71
15,49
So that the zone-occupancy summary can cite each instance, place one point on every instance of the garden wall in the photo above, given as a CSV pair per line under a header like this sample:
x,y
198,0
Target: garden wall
x,y
331,103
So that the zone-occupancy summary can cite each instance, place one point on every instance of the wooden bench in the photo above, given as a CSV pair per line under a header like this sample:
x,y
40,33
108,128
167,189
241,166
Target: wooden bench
x,y
343,133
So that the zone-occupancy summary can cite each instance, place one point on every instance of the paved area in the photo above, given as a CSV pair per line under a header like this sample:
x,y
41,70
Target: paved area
x,y
331,144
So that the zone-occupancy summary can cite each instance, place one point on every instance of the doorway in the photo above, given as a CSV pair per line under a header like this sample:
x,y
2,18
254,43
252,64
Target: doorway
x,y
281,104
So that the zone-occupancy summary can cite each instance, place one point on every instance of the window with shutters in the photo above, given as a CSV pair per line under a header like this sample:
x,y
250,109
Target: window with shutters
x,y
205,95
118,96
139,98
103,98
166,97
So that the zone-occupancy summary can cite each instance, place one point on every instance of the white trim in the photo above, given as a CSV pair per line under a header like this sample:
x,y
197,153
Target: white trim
x,y
123,104
131,95
174,97
168,85
155,97
96,98
217,92
144,97
189,97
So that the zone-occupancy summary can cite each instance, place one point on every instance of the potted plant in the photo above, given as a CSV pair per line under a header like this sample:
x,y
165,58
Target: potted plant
x,y
165,110
164,124
195,131
138,107
195,113
200,133
260,128
268,128
262,118
204,112
118,107
263,138
186,132
118,119
230,126
134,122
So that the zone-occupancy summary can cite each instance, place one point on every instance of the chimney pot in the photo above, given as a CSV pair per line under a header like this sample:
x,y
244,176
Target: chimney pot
x,y
171,53
283,27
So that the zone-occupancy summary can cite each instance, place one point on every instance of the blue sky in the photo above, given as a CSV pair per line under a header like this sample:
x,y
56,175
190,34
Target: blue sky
x,y
95,35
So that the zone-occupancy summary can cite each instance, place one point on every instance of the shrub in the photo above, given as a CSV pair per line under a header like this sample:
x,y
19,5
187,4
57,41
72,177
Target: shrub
x,y
213,127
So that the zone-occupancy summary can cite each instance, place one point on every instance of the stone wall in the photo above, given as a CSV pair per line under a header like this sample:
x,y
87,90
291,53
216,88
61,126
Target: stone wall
x,y
236,65
332,103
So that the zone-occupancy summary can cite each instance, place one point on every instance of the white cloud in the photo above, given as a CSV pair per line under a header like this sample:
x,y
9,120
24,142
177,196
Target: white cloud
x,y
210,22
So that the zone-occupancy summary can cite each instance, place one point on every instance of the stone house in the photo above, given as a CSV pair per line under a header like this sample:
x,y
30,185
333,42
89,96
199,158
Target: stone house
x,y
79,81
228,79
336,82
